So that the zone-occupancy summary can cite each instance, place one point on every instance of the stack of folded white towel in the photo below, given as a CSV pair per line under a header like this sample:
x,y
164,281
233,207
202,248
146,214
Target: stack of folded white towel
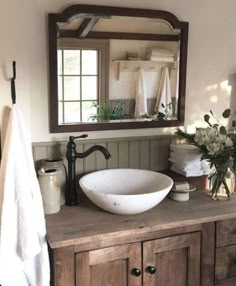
x,y
186,160
160,54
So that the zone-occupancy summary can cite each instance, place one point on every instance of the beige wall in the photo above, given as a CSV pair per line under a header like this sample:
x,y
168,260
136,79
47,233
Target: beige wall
x,y
211,59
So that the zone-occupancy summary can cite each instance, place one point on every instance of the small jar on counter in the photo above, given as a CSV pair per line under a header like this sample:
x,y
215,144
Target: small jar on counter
x,y
57,163
49,181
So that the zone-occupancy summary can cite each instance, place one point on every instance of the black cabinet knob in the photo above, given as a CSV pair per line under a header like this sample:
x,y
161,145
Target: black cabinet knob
x,y
136,272
151,269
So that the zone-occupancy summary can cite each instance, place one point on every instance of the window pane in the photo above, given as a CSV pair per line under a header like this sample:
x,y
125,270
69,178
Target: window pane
x,y
72,112
60,114
71,88
88,111
89,88
71,62
59,79
59,62
89,62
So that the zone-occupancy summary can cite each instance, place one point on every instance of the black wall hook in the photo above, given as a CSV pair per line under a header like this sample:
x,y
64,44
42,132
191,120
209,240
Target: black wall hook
x,y
13,89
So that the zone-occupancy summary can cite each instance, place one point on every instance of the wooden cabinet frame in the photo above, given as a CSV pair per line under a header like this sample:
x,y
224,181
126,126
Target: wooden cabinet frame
x,y
73,268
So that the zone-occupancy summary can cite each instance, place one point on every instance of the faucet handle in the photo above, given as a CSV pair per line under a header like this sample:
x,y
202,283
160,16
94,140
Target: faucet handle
x,y
72,138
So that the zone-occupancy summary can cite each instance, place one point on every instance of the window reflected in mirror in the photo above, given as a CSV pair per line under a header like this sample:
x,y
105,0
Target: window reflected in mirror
x,y
78,84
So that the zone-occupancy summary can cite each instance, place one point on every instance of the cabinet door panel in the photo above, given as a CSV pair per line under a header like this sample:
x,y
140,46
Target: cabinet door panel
x,y
226,232
227,282
62,266
109,266
176,259
225,265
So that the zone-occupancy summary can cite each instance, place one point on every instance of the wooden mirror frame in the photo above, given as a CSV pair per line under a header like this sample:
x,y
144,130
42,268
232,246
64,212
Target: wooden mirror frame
x,y
76,10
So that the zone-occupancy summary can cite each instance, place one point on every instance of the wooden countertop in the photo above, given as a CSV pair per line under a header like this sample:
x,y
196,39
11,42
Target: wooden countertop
x,y
86,224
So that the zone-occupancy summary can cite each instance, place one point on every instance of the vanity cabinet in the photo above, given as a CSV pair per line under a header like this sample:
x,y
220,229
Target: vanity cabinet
x,y
174,244
172,261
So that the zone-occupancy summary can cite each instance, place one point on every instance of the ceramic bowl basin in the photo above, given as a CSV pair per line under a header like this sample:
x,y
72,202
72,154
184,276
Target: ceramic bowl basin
x,y
126,191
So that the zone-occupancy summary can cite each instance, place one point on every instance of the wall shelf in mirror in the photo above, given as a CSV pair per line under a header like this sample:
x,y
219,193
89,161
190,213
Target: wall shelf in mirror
x,y
84,41
134,65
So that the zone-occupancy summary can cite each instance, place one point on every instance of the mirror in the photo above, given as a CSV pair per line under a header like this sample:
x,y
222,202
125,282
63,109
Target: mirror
x,y
116,68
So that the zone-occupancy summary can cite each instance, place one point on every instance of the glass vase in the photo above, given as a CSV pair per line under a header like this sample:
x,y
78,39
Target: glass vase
x,y
222,184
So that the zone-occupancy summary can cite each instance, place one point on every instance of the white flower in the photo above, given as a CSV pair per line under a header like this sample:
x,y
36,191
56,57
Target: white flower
x,y
201,136
212,139
214,147
229,142
204,136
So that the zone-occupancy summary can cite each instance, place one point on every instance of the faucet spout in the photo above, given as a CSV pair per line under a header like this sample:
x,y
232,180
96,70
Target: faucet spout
x,y
72,155
92,149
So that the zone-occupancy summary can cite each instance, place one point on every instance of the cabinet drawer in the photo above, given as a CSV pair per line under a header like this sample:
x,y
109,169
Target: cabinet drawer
x,y
225,264
226,232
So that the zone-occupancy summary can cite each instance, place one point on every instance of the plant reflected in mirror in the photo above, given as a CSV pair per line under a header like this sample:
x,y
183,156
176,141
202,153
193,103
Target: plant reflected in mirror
x,y
106,112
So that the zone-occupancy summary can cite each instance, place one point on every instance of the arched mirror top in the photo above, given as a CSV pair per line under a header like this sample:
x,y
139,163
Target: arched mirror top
x,y
84,11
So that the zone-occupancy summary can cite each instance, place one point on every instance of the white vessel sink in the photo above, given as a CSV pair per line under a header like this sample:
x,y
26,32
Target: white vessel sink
x,y
126,191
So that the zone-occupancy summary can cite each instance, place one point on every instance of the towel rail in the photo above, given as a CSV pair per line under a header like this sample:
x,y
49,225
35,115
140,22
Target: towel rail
x,y
131,66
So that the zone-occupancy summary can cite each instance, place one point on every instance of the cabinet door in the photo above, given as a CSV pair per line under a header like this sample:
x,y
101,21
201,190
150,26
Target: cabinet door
x,y
172,261
112,266
225,266
225,232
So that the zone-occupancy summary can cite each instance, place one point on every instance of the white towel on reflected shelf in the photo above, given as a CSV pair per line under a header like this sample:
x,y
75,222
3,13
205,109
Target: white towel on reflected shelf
x,y
160,52
164,59
23,248
140,95
164,102
174,81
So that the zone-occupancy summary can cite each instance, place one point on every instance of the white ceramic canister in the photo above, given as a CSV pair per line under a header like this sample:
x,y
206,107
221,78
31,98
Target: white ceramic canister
x,y
49,181
179,196
57,163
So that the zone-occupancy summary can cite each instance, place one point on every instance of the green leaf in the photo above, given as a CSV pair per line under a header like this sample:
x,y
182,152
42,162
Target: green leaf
x,y
161,116
186,136
106,112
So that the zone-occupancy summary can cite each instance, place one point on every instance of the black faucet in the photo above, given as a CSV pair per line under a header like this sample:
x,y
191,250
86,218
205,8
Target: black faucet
x,y
72,155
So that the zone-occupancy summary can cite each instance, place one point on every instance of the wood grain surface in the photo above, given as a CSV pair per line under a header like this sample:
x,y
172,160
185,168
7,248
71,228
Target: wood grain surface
x,y
227,282
208,254
62,267
109,266
86,224
176,258
225,232
225,264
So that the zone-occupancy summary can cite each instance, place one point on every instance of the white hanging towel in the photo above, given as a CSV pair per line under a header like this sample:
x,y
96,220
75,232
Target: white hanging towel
x,y
164,102
23,248
140,95
174,80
